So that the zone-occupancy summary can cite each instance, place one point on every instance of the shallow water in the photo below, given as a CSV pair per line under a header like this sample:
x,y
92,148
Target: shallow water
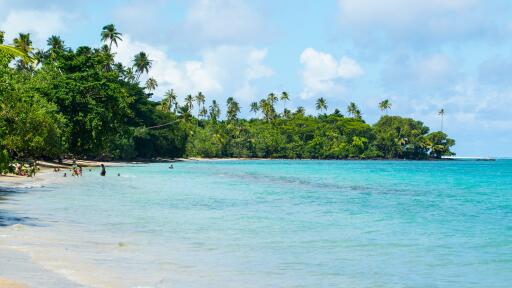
x,y
274,224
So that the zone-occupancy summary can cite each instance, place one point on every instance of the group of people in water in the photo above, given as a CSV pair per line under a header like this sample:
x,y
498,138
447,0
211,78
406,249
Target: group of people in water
x,y
77,170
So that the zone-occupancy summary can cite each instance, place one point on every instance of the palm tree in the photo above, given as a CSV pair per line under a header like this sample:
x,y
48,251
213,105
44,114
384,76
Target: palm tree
x,y
189,102
203,112
441,113
255,108
168,101
272,98
39,56
301,111
233,109
10,50
151,84
200,99
141,63
55,43
267,109
321,104
214,111
110,34
385,105
24,44
353,110
284,97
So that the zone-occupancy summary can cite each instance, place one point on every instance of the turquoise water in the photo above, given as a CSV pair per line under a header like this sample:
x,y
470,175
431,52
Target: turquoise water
x,y
277,224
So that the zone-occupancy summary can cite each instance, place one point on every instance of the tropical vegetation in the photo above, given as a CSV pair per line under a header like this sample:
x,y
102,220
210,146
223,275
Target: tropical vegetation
x,y
59,102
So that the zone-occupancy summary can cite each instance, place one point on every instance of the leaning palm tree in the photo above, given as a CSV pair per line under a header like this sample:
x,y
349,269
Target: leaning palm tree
x,y
141,63
321,104
385,105
255,108
441,113
111,35
13,51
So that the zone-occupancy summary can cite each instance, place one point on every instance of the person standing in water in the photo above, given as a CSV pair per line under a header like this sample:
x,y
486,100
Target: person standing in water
x,y
103,171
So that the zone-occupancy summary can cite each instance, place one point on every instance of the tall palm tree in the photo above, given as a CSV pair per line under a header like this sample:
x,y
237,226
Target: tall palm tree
x,y
168,101
24,44
151,84
441,113
255,108
200,99
321,104
189,102
272,98
141,63
284,97
385,105
267,109
111,35
214,111
353,110
55,43
233,109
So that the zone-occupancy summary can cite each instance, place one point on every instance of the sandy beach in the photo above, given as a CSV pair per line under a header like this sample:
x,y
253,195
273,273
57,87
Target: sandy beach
x,y
17,269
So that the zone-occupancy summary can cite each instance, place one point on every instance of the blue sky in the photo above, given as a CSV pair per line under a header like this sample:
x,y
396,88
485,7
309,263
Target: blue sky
x,y
423,55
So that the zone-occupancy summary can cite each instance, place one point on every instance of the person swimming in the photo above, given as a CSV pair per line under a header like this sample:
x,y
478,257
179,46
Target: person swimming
x,y
103,171
171,167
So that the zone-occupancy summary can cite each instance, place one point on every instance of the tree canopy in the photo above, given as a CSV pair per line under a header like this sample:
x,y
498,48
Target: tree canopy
x,y
82,102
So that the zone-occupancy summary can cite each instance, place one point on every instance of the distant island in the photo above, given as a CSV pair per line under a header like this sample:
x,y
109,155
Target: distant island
x,y
57,102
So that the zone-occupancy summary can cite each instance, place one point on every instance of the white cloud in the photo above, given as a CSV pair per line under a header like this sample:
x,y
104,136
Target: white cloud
x,y
220,72
41,24
398,12
321,72
426,72
420,23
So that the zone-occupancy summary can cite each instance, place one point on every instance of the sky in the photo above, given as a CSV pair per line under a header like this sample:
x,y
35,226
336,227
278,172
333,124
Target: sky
x,y
423,55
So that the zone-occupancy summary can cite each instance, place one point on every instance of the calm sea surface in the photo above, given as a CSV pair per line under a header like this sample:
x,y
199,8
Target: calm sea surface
x,y
273,224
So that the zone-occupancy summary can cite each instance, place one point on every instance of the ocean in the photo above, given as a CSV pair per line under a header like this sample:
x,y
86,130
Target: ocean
x,y
271,223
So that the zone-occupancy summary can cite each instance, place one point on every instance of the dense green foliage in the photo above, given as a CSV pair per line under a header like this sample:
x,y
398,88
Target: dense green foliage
x,y
60,102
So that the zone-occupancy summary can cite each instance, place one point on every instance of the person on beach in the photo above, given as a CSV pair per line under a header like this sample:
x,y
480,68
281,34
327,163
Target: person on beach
x,y
103,171
65,174
80,170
